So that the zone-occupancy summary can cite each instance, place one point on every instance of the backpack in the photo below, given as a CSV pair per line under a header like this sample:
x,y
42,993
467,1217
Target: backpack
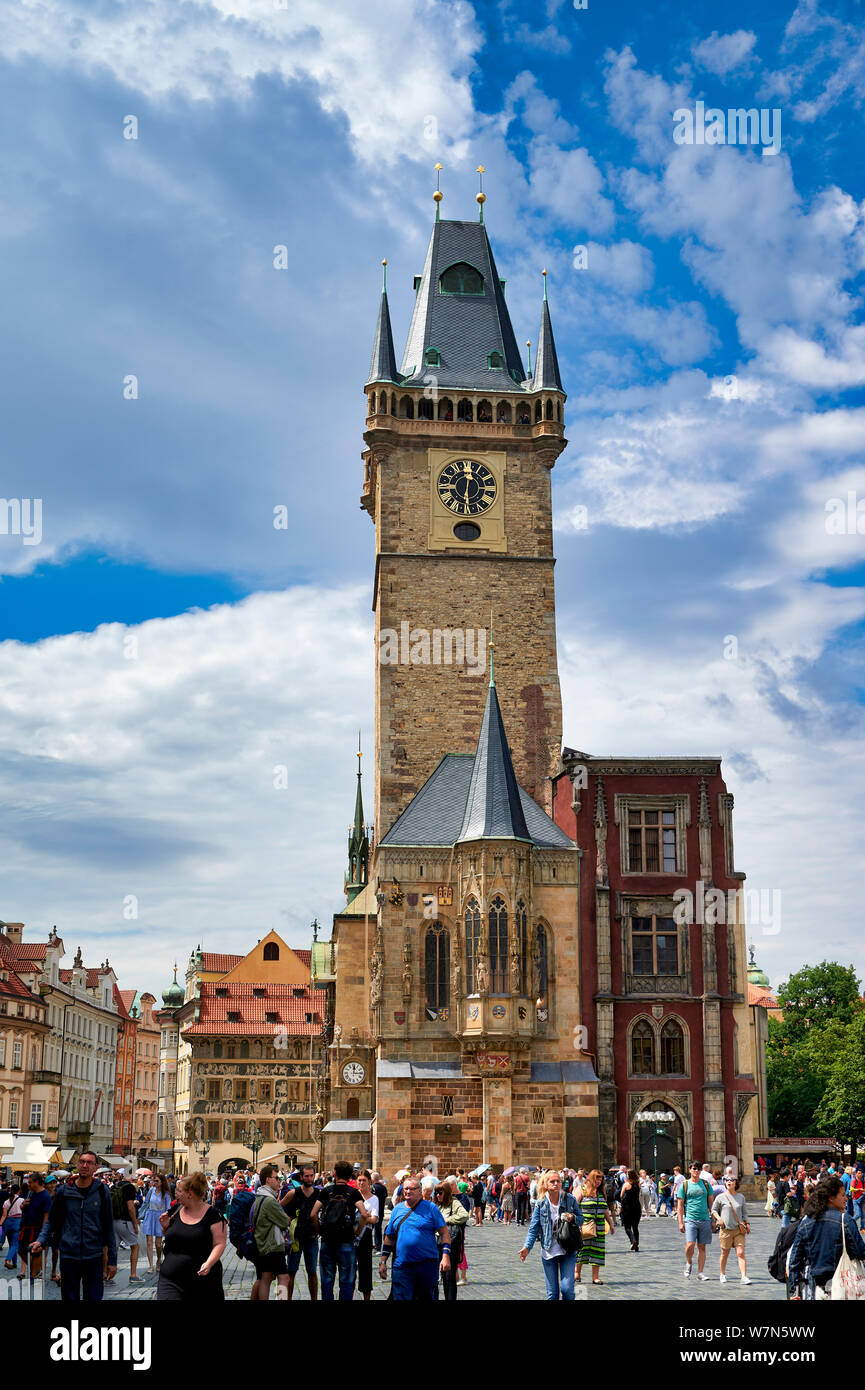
x,y
247,1247
791,1205
611,1191
237,1219
118,1206
337,1228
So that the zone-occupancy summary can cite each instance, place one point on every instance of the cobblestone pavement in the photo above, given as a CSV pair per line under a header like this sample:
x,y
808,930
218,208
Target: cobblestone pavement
x,y
495,1270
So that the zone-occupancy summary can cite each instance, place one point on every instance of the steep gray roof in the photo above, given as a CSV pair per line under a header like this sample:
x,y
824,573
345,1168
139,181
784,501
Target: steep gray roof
x,y
546,363
494,810
434,817
382,367
464,328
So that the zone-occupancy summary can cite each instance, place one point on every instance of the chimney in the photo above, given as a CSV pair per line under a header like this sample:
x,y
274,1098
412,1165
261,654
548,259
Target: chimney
x,y
14,931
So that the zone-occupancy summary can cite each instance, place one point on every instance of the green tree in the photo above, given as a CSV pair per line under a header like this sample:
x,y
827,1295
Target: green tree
x,y
842,1110
817,993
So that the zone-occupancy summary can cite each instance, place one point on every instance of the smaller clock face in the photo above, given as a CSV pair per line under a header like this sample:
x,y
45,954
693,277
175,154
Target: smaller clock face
x,y
353,1073
466,487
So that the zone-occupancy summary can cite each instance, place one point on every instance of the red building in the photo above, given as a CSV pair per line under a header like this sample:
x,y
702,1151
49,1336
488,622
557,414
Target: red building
x,y
663,967
124,1076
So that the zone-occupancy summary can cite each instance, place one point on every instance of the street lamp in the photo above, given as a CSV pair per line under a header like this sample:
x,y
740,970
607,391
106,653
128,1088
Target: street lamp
x,y
202,1148
254,1140
657,1119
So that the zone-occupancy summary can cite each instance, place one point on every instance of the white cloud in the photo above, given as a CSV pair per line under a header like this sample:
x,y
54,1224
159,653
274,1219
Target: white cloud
x,y
723,53
625,265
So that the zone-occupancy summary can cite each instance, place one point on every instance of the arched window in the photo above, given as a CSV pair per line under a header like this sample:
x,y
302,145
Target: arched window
x,y
392,404
437,968
446,408
559,411
548,413
271,951
372,402
642,1049
461,278
425,410
464,410
503,413
672,1048
498,947
524,416
485,413
352,1108
543,962
406,408
538,411
473,936
495,361
432,357
522,946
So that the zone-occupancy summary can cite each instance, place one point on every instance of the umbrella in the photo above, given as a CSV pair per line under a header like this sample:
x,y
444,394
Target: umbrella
x,y
103,1170
484,1168
61,1173
402,1173
144,1172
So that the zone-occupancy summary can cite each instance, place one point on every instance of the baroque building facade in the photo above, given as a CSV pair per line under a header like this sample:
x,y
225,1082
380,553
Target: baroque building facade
x,y
503,964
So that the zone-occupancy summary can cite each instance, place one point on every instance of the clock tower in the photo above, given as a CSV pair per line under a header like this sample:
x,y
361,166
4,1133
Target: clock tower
x,y
460,442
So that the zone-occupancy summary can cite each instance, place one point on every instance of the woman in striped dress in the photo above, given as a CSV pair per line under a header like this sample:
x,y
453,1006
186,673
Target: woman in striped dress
x,y
593,1205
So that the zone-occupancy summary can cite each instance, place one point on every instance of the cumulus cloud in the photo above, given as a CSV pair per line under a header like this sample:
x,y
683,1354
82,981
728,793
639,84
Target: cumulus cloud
x,y
723,53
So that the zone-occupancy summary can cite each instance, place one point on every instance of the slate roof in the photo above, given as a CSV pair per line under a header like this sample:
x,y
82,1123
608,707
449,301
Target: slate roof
x,y
240,998
464,328
494,810
435,816
546,375
382,366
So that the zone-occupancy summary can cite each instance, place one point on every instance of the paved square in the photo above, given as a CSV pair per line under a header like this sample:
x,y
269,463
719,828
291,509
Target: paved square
x,y
495,1271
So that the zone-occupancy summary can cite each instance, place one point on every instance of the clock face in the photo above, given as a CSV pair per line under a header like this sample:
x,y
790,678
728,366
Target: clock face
x,y
466,487
353,1073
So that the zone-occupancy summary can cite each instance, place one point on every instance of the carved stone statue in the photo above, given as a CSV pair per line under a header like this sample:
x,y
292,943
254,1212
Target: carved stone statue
x,y
406,981
226,1131
226,1088
280,1131
457,981
515,975
375,982
483,971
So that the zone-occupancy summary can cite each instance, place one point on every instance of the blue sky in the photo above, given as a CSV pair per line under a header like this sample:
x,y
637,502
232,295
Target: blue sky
x,y
163,648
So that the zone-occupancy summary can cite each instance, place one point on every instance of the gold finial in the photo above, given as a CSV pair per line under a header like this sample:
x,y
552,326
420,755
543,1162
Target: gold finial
x,y
438,195
359,753
480,196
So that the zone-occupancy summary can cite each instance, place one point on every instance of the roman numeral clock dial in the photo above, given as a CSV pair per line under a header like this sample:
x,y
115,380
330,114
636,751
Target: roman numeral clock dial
x,y
466,487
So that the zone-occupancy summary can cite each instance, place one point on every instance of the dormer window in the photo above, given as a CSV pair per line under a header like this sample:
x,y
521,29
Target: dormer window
x,y
259,993
495,361
221,993
432,357
271,1018
461,278
233,1016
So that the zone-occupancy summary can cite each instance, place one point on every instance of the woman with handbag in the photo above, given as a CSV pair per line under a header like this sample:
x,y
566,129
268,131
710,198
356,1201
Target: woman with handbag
x,y
556,1221
597,1217
732,1214
825,1233
456,1216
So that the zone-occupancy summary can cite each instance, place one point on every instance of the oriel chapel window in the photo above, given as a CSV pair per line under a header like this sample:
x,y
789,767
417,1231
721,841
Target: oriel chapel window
x,y
437,968
473,936
654,946
498,947
543,967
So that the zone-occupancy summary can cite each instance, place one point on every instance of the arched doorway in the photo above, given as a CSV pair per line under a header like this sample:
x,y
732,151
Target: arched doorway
x,y
659,1138
234,1164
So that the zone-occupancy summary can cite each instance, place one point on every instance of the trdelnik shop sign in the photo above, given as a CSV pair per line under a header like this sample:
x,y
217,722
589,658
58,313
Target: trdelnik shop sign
x,y
806,1143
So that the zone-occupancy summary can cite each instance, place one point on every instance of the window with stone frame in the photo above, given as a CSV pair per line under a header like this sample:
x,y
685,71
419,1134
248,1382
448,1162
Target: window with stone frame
x,y
651,841
642,1049
654,946
436,968
543,961
537,1114
672,1048
447,1106
473,936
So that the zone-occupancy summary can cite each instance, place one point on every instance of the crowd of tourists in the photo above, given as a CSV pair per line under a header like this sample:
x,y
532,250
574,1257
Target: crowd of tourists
x,y
337,1223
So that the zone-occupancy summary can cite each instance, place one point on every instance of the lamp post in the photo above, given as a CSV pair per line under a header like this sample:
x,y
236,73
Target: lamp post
x,y
254,1140
657,1119
202,1148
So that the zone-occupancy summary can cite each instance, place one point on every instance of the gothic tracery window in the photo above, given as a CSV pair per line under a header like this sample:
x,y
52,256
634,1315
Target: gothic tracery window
x,y
498,947
672,1048
437,968
473,936
642,1049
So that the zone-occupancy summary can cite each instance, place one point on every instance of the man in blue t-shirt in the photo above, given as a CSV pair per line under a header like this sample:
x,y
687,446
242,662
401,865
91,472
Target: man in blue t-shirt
x,y
412,1229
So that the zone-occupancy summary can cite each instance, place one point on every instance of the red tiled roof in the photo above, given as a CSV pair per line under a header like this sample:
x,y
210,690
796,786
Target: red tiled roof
x,y
759,994
305,956
16,987
24,950
212,961
93,976
240,998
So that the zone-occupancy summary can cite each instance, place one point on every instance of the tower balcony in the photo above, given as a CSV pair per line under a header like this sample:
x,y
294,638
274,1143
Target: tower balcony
x,y
472,430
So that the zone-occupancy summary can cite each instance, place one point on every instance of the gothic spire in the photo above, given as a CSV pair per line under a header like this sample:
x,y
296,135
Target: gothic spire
x,y
546,377
358,842
494,810
383,364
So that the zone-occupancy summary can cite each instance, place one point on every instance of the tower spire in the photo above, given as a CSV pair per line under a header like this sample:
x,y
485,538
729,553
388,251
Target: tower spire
x,y
547,377
358,841
382,365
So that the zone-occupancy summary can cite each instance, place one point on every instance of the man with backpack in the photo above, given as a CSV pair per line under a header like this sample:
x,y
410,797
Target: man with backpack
x,y
238,1212
80,1224
264,1242
298,1197
340,1216
125,1216
695,1222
